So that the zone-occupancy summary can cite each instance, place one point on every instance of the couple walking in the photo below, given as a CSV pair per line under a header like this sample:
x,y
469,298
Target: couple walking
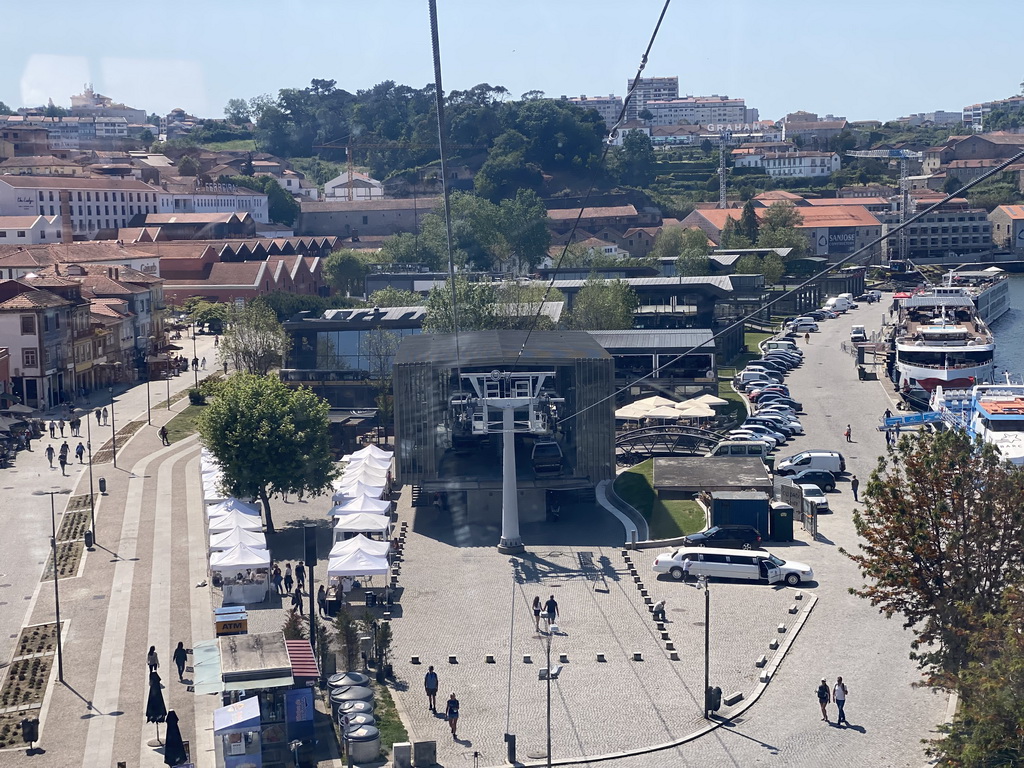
x,y
548,611
837,694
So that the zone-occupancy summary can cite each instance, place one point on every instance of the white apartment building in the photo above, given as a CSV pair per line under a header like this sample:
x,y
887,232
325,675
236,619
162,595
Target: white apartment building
x,y
213,198
974,114
792,163
29,230
94,203
608,107
701,110
650,89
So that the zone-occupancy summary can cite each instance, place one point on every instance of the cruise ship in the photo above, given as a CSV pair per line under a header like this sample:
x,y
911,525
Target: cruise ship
x,y
989,289
940,339
993,412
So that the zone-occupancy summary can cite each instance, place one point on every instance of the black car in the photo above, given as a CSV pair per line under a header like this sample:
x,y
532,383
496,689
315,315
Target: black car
x,y
726,536
818,315
819,477
773,398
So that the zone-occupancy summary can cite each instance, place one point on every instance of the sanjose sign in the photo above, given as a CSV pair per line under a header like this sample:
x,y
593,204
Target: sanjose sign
x,y
836,241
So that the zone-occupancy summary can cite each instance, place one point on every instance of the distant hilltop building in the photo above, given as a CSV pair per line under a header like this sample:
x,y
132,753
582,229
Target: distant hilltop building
x,y
88,103
974,114
650,89
608,107
938,117
701,110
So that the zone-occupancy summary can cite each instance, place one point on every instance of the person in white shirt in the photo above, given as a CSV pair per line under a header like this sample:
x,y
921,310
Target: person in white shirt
x,y
839,695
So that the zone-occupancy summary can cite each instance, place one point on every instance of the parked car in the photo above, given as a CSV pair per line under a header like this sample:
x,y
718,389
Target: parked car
x,y
780,366
758,383
756,565
806,326
816,496
726,537
776,398
819,477
817,315
781,421
782,354
746,434
768,372
760,429
830,314
858,334
778,410
779,389
833,461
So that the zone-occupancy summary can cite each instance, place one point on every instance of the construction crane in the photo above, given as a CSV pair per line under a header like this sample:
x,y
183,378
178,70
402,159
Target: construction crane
x,y
904,156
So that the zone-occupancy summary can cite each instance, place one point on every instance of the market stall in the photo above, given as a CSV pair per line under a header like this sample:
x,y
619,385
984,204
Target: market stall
x,y
231,504
359,543
372,451
362,504
235,519
354,490
243,573
225,540
361,522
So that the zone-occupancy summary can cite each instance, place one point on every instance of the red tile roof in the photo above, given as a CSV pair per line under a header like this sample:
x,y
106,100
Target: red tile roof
x,y
569,214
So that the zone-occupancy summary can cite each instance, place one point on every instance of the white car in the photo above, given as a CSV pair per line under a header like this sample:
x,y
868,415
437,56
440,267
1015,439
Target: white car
x,y
746,434
776,435
749,564
814,494
784,410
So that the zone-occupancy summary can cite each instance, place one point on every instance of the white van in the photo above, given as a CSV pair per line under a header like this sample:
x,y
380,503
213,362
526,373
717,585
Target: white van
x,y
858,333
833,461
876,294
751,565
838,304
740,448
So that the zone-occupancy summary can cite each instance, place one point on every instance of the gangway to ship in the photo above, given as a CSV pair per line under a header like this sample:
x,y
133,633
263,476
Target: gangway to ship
x,y
636,445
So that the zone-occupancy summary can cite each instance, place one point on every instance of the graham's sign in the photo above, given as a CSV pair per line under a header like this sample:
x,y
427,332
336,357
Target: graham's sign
x,y
734,127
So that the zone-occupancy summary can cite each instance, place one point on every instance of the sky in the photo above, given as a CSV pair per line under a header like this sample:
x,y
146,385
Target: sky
x,y
863,60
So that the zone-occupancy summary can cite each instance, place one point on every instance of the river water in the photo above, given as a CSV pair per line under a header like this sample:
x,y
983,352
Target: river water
x,y
1009,331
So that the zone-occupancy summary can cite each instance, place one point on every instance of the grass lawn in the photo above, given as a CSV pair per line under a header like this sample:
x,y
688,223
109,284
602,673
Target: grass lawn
x,y
388,721
184,424
667,519
217,146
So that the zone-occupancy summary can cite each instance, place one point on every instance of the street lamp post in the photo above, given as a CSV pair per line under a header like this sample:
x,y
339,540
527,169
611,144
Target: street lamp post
x,y
113,429
92,497
56,589
149,369
548,676
195,355
707,641
167,378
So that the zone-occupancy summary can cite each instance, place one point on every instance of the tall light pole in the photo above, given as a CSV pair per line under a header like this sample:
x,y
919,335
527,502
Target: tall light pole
x,y
703,581
195,355
548,676
92,496
56,589
167,378
113,428
149,353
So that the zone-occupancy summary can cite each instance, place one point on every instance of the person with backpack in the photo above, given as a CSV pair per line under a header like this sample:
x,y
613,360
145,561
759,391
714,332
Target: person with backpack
x,y
824,698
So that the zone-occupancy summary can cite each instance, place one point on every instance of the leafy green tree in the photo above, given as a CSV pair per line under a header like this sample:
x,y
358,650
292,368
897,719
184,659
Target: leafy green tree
x,y
707,147
52,110
987,729
646,115
604,305
255,340
6,110
636,160
147,138
346,271
748,226
952,184
779,229
247,166
282,207
287,305
940,546
476,307
773,268
506,169
188,166
208,313
394,297
238,111
268,438
731,238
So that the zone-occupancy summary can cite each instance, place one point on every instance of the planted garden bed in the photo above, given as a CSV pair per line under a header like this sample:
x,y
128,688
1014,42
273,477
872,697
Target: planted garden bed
x,y
69,555
73,525
10,728
38,639
26,682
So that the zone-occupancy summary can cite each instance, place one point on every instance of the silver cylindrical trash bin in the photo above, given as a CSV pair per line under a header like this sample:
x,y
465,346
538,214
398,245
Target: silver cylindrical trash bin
x,y
364,743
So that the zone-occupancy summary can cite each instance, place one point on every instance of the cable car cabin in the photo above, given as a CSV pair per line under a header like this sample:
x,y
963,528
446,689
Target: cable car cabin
x,y
547,458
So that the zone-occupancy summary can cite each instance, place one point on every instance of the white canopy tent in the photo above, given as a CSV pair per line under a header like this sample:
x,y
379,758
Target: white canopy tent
x,y
364,472
225,540
362,544
351,461
373,450
235,519
355,490
706,400
359,504
239,557
664,412
246,579
360,522
212,492
357,563
231,504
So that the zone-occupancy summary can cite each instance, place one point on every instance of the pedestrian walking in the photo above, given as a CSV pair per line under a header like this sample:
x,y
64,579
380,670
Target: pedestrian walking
x,y
430,686
659,610
195,363
63,460
451,713
163,436
288,577
537,607
807,338
686,568
216,340
550,612
98,414
49,455
854,485
53,430
300,576
888,413
225,367
277,579
60,426
321,600
152,660
824,697
202,363
297,600
80,452
839,694
106,415
180,657
848,434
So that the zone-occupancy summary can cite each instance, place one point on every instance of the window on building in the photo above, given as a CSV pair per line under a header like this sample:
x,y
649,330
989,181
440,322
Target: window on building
x,y
51,210
366,219
28,325
29,358
106,197
21,233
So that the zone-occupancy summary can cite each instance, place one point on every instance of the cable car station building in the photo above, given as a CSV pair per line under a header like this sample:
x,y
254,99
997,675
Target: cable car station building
x,y
456,400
